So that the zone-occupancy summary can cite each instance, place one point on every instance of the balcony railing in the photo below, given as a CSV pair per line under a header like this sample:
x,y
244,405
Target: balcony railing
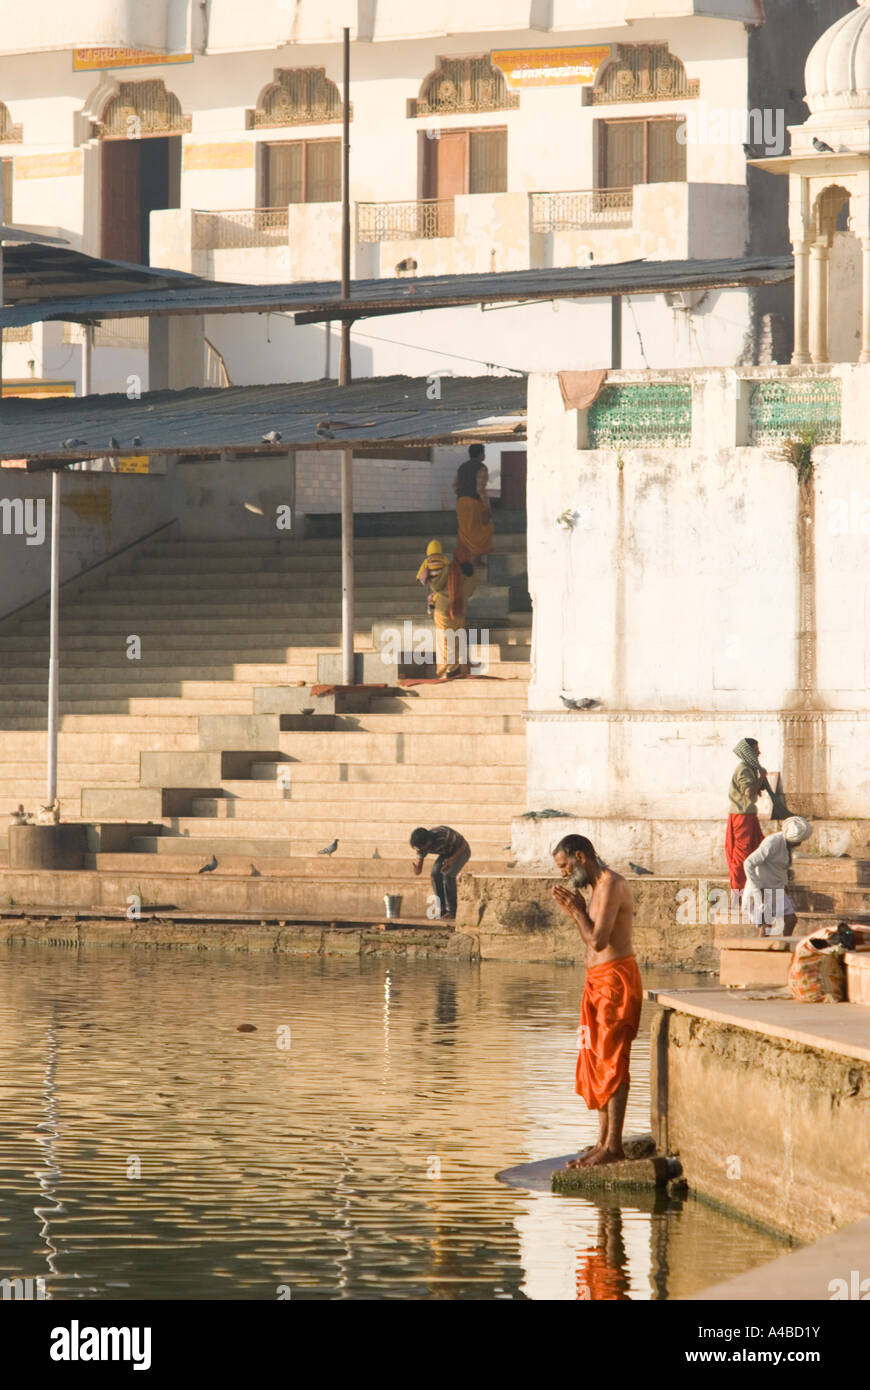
x,y
239,228
431,217
580,211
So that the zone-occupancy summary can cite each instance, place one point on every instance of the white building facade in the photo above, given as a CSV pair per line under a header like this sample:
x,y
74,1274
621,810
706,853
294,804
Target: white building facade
x,y
486,136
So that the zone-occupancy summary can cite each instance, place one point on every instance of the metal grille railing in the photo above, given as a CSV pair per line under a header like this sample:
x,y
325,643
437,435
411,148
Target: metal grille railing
x,y
239,228
642,417
779,409
431,217
578,211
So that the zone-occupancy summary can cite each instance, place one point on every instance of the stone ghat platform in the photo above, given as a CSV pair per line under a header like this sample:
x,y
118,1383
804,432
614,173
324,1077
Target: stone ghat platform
x,y
766,1102
340,937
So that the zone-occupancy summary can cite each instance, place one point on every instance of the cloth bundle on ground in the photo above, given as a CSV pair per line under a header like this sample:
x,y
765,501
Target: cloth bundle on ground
x,y
817,974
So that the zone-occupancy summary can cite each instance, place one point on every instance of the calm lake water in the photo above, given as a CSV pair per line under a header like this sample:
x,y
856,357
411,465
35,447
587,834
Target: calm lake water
x,y
346,1149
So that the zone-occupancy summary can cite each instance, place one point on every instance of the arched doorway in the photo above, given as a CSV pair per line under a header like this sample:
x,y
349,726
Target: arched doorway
x,y
140,129
831,220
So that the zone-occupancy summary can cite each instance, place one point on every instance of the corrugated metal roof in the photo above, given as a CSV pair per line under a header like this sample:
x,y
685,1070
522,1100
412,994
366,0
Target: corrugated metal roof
x,y
369,298
37,273
379,409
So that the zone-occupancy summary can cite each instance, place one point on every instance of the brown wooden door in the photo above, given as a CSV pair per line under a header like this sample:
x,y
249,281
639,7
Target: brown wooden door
x,y
513,479
445,165
121,235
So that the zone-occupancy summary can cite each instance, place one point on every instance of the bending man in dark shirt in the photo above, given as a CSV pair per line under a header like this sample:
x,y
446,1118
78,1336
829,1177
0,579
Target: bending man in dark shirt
x,y
451,852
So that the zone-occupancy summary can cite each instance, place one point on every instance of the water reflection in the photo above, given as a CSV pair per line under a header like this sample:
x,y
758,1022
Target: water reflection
x,y
358,1162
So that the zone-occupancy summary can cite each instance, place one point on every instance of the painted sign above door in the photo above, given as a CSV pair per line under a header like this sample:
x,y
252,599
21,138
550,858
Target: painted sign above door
x,y
550,67
91,59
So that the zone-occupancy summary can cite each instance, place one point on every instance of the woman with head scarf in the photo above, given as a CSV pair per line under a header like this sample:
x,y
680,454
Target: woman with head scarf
x,y
765,901
474,528
434,573
743,834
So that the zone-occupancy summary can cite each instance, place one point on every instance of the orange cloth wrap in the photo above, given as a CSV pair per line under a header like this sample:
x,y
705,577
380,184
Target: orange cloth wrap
x,y
475,538
609,1020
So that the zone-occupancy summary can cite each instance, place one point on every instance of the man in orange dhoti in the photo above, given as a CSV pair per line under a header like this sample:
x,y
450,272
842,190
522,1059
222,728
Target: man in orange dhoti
x,y
612,995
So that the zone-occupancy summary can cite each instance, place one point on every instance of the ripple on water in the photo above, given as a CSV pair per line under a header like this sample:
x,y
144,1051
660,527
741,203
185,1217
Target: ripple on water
x,y
150,1150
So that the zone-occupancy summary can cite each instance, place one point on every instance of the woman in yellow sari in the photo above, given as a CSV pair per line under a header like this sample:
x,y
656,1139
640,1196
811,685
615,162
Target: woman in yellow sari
x,y
475,530
434,573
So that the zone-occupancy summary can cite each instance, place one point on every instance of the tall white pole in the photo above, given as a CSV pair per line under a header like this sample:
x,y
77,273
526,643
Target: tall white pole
x,y
347,658
53,665
344,376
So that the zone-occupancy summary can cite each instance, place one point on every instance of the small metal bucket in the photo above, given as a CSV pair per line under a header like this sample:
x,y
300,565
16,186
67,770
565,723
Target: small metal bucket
x,y
392,905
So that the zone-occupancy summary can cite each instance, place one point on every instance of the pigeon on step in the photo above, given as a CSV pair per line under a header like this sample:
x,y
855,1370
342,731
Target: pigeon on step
x,y
255,872
273,437
637,869
113,443
821,147
210,867
330,849
376,855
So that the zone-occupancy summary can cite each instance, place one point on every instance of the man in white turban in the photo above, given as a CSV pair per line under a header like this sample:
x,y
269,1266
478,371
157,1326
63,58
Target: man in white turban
x,y
766,904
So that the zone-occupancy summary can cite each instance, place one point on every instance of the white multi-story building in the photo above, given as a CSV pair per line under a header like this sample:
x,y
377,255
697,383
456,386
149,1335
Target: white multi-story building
x,y
492,135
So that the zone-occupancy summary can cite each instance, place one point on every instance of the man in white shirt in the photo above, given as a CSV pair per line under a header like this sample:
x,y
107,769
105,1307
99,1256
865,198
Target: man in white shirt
x,y
765,901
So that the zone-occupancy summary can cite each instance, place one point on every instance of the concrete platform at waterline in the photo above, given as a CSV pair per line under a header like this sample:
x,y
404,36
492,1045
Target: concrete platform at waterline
x,y
766,1102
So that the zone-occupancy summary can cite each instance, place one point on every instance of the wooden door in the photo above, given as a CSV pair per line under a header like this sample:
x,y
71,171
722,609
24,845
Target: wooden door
x,y
445,165
121,234
513,479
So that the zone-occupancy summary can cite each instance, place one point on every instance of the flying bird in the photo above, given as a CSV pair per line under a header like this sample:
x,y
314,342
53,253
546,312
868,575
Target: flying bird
x,y
210,867
821,148
637,869
273,437
330,849
569,703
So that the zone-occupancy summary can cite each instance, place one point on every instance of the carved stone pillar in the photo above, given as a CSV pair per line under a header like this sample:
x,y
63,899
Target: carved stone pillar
x,y
819,264
801,354
865,302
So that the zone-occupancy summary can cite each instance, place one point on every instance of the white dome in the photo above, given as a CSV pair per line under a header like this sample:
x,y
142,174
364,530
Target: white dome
x,y
837,73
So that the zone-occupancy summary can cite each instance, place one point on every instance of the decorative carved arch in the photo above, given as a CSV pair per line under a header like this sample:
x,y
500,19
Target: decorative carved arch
x,y
643,72
827,208
138,110
10,134
463,84
298,96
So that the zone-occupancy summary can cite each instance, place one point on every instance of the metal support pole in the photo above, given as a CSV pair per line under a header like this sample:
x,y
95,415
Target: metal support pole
x,y
53,663
616,332
87,359
347,604
347,576
1,331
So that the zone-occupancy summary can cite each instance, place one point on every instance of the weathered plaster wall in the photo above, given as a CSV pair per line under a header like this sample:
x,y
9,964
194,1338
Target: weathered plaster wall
x,y
516,919
100,513
676,601
804,1174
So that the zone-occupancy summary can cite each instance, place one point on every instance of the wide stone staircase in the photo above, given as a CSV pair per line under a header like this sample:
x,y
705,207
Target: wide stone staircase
x,y
204,740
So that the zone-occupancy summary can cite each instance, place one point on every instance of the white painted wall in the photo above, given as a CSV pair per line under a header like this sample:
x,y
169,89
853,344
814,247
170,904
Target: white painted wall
x,y
674,601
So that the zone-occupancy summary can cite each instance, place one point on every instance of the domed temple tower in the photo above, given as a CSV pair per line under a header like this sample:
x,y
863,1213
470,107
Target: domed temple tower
x,y
829,197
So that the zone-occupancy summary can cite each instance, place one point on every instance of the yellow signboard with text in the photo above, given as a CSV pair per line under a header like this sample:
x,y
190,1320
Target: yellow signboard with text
x,y
93,59
550,67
